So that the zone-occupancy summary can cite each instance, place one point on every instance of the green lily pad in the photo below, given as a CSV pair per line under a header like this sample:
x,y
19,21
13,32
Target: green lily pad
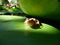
x,y
17,33
20,26
11,18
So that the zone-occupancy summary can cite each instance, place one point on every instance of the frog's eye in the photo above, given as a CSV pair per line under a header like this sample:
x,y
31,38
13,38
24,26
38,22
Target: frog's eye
x,y
32,22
